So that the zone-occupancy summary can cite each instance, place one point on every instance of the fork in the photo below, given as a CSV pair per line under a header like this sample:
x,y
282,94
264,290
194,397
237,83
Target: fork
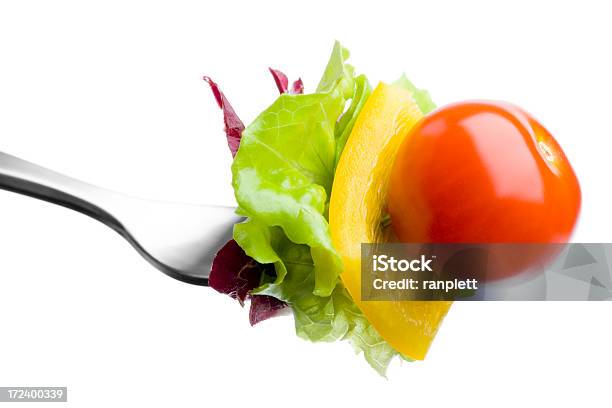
x,y
178,239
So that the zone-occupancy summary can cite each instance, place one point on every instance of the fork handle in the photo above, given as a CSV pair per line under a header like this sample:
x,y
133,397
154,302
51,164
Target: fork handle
x,y
27,178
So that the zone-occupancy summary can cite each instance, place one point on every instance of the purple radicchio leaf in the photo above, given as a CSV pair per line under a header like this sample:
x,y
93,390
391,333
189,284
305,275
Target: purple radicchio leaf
x,y
282,83
234,273
264,307
297,87
233,124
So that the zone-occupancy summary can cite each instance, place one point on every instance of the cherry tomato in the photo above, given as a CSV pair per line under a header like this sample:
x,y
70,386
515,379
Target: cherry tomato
x,y
482,172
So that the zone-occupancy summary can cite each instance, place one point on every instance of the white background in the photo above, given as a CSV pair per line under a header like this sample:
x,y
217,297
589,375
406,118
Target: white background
x,y
110,92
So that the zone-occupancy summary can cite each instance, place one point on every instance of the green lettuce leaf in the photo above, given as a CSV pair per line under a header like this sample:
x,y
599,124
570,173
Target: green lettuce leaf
x,y
283,171
421,96
317,318
346,122
338,74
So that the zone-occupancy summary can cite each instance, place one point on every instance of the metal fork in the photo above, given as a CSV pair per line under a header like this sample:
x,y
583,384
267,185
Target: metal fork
x,y
178,239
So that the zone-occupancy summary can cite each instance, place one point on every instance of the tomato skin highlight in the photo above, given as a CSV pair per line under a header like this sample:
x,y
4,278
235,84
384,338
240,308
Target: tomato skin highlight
x,y
482,172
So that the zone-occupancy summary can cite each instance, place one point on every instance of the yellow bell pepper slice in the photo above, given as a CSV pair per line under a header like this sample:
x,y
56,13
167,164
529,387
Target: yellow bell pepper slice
x,y
358,205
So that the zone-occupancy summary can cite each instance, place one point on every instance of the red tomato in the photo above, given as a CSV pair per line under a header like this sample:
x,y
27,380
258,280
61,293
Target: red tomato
x,y
482,172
